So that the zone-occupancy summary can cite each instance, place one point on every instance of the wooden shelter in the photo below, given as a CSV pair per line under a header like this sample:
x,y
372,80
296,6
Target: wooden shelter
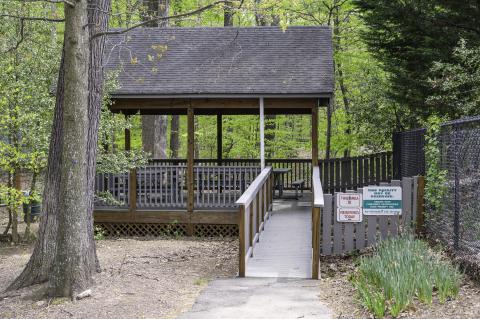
x,y
213,71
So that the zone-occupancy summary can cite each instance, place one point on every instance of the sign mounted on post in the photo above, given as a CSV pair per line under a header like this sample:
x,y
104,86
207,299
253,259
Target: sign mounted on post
x,y
382,200
349,208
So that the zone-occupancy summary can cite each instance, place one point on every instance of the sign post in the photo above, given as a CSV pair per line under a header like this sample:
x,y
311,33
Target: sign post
x,y
382,200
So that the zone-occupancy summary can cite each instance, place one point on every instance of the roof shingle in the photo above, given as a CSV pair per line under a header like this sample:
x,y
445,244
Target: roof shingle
x,y
210,61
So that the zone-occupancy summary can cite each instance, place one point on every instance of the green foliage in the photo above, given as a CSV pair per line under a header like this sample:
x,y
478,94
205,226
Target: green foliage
x,y
99,233
401,270
409,36
457,82
435,176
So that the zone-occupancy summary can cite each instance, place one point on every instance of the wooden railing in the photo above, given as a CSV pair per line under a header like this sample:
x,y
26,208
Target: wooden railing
x,y
318,203
112,190
221,186
164,187
336,174
161,186
254,206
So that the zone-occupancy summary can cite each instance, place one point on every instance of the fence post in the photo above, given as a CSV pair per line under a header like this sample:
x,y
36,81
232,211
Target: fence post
x,y
456,218
316,242
420,222
132,189
241,244
397,154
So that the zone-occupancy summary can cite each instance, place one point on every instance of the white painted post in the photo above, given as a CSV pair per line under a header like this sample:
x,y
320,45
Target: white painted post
x,y
262,135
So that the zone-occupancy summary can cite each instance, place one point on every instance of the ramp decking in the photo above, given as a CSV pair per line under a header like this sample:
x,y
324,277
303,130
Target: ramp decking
x,y
285,246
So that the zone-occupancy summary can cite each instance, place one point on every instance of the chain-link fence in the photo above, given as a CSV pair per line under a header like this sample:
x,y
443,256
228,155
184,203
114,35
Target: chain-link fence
x,y
456,222
409,153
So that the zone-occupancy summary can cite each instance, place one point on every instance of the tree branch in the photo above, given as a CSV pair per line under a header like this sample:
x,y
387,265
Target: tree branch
x,y
31,18
146,22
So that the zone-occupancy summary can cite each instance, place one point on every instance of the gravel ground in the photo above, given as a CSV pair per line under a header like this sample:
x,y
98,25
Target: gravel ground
x,y
157,278
337,292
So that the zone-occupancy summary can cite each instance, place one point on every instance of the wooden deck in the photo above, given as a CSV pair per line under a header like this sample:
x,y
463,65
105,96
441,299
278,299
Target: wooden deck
x,y
285,246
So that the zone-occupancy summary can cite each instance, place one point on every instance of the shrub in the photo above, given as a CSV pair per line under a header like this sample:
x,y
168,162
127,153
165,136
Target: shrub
x,y
400,271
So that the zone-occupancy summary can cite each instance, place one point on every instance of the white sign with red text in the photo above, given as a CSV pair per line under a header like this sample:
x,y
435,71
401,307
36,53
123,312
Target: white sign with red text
x,y
349,208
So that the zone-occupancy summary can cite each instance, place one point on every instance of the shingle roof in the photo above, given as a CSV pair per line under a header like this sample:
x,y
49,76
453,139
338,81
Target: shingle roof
x,y
244,60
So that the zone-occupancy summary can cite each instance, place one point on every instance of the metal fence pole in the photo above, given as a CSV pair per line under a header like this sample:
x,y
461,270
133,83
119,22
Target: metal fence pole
x,y
456,214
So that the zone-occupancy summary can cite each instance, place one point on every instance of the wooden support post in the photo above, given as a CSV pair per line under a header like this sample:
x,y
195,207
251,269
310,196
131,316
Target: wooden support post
x,y
132,179
190,163
316,242
132,192
241,244
315,136
262,134
420,222
219,139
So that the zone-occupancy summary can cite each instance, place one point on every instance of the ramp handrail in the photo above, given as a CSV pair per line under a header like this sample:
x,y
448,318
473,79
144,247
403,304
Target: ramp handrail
x,y
318,203
254,205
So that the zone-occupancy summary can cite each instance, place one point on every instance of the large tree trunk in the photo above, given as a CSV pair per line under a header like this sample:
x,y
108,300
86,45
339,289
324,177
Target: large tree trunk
x,y
74,261
39,268
154,127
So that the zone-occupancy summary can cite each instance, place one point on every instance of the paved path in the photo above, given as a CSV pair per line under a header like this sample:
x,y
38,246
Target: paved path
x,y
285,246
259,298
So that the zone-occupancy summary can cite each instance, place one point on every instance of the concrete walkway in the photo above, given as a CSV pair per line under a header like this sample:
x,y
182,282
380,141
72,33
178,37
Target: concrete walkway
x,y
259,298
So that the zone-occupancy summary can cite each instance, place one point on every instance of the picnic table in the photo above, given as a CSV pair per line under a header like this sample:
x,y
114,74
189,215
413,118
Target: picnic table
x,y
278,179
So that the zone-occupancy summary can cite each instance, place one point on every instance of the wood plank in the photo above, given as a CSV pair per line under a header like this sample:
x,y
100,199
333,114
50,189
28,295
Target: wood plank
x,y
337,230
327,223
314,136
407,202
394,225
420,229
360,230
414,203
242,247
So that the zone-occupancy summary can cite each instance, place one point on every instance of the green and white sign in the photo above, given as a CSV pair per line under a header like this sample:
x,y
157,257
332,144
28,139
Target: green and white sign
x,y
382,200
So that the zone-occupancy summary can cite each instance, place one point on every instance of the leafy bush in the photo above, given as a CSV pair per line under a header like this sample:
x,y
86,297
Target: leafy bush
x,y
400,271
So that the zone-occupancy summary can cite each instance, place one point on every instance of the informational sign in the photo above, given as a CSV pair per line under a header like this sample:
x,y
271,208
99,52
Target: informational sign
x,y
349,200
352,215
382,200
349,208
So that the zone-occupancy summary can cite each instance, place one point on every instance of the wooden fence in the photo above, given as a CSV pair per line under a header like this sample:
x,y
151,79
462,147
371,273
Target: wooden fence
x,y
341,238
254,206
336,174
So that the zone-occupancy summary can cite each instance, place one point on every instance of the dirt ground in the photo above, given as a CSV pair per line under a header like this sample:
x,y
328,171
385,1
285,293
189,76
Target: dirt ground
x,y
337,292
155,278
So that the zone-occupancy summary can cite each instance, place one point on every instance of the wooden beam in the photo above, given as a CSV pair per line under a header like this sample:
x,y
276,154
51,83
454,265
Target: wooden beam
x,y
315,136
219,139
262,134
217,217
220,105
190,163
241,245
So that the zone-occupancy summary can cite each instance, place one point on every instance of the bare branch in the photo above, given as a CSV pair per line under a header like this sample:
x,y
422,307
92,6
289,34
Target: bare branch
x,y
31,18
146,22
19,41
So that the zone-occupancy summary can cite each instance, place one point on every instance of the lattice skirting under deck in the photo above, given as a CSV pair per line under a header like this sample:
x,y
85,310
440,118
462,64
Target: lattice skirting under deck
x,y
142,229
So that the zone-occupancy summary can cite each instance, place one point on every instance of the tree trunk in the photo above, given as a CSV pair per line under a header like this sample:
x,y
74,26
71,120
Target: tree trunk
x,y
74,262
174,136
39,267
154,127
227,14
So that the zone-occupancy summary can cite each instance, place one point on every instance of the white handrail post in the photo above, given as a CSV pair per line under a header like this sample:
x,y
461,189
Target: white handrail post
x,y
262,134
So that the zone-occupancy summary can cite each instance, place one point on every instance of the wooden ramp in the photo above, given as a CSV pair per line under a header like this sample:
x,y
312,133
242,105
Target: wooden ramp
x,y
285,246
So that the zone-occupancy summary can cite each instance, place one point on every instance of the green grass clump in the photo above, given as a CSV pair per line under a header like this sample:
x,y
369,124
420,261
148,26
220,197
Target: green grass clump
x,y
402,270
